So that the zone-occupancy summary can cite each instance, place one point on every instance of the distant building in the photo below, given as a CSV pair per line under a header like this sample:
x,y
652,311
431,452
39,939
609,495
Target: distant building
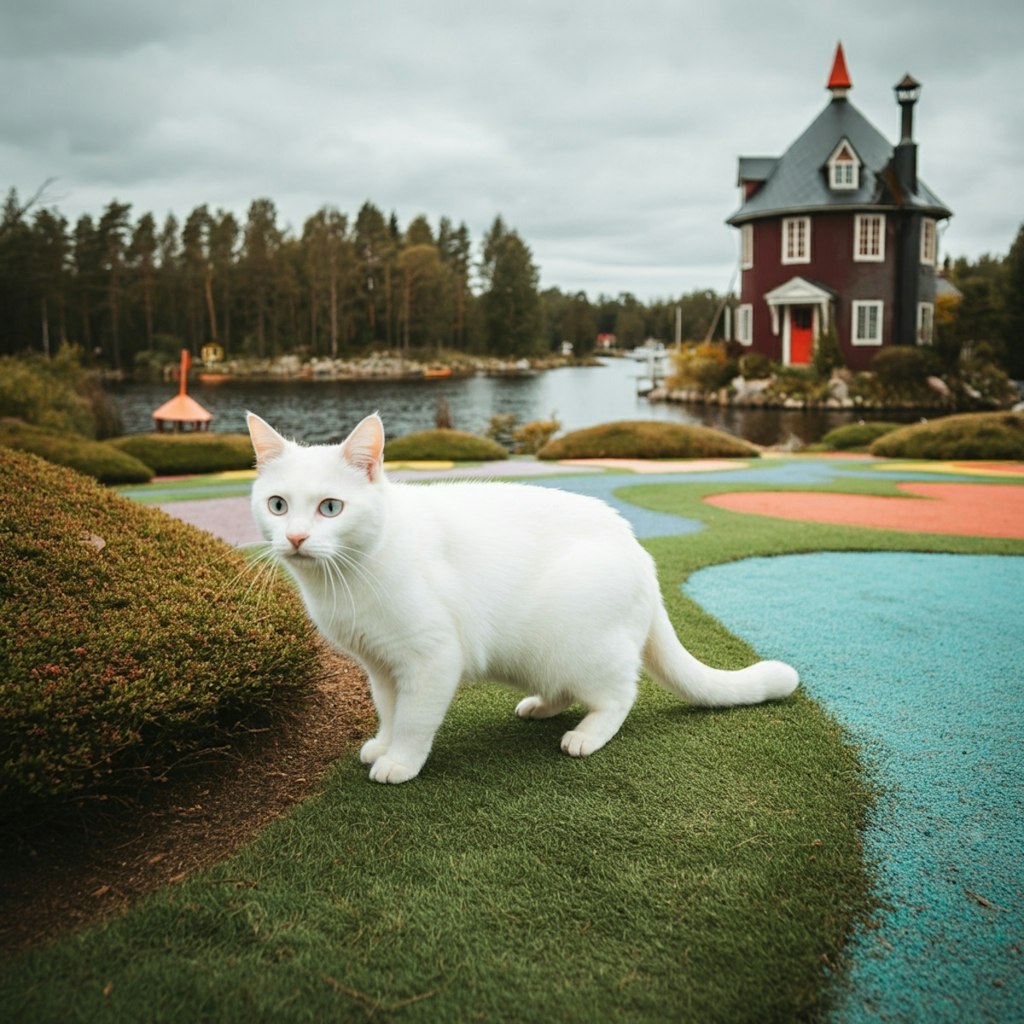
x,y
839,232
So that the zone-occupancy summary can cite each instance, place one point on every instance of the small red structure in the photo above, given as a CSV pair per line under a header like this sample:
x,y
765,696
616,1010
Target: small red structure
x,y
182,412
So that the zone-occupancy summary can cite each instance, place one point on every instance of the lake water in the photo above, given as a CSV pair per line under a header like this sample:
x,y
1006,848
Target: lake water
x,y
318,411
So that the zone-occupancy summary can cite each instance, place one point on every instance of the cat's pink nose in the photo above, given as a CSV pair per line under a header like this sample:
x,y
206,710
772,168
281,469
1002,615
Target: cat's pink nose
x,y
297,539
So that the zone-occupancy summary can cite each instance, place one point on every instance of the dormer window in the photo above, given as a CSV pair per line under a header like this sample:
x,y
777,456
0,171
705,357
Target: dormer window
x,y
844,169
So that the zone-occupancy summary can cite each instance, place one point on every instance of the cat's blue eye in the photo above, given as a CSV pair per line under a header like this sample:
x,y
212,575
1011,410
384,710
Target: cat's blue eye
x,y
330,507
277,505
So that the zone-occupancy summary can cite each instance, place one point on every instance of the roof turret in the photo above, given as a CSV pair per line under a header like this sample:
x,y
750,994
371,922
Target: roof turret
x,y
839,80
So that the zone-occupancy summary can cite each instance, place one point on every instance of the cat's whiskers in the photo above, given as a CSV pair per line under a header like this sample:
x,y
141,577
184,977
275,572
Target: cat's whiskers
x,y
260,566
343,560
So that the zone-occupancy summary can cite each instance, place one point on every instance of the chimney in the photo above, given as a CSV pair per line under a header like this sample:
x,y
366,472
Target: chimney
x,y
907,90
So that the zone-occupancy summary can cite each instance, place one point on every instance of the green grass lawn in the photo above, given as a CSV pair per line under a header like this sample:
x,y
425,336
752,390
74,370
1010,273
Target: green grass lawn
x,y
705,866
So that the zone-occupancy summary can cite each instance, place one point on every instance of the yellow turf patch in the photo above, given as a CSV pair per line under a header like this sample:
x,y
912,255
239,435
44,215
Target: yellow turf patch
x,y
420,464
989,468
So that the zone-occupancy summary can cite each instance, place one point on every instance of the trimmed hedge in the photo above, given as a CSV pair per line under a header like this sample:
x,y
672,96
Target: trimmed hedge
x,y
973,435
94,458
453,445
647,439
856,435
127,638
174,454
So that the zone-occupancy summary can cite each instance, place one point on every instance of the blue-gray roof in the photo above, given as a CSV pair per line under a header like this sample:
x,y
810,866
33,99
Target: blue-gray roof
x,y
798,180
756,168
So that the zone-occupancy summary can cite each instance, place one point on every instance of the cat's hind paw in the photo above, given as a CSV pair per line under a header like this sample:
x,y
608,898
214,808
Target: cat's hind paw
x,y
371,750
386,770
537,707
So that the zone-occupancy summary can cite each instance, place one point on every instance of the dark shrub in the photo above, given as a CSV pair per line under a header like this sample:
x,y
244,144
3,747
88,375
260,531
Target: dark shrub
x,y
828,356
94,458
126,637
755,366
443,445
172,454
646,439
47,392
977,435
901,373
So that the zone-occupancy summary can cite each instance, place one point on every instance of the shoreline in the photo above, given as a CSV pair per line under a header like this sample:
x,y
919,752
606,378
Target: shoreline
x,y
383,366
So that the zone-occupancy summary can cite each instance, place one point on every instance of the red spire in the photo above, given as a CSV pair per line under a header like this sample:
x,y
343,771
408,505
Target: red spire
x,y
839,80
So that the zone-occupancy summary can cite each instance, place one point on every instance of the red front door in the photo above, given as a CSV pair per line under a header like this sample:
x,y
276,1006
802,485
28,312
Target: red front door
x,y
801,335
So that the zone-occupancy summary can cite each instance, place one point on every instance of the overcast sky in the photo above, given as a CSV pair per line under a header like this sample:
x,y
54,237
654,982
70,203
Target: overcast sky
x,y
606,132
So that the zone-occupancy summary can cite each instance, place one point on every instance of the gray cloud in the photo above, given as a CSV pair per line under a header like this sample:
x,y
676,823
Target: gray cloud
x,y
606,133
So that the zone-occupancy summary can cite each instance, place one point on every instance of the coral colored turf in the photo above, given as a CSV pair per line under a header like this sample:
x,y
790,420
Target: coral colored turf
x,y
966,510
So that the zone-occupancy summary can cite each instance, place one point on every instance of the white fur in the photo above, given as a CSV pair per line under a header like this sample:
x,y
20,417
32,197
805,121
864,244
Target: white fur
x,y
428,586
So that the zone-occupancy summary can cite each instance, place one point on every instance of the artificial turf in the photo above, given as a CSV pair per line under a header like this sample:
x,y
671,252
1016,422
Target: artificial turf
x,y
705,866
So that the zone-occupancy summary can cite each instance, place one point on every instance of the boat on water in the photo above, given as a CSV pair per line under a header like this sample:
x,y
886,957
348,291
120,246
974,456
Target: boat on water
x,y
431,372
649,350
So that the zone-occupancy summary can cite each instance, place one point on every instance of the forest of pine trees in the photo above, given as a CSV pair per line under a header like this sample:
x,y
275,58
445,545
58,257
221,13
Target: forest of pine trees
x,y
129,290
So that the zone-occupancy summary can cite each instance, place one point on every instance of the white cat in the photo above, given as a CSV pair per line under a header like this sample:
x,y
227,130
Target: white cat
x,y
428,586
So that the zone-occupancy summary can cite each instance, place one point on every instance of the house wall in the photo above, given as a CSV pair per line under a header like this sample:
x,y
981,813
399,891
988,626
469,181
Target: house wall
x,y
832,266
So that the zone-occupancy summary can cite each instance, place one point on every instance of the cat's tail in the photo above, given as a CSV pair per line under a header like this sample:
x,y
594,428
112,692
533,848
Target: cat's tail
x,y
678,670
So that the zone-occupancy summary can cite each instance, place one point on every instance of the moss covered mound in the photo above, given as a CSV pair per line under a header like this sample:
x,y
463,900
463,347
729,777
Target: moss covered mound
x,y
855,435
94,458
172,454
452,445
126,636
975,435
647,439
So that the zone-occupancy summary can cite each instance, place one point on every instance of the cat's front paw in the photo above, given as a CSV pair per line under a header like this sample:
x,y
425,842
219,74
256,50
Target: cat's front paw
x,y
579,744
371,750
386,770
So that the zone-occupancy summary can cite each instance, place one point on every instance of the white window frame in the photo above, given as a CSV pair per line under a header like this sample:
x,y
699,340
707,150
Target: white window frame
x,y
871,308
929,242
843,175
796,240
925,323
746,246
863,252
745,324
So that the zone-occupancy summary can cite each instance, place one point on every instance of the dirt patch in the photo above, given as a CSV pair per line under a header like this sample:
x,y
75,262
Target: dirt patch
x,y
966,510
57,878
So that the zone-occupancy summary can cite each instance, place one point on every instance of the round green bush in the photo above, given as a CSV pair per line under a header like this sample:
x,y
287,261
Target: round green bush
x,y
974,435
647,439
174,454
447,445
127,638
902,365
856,435
94,458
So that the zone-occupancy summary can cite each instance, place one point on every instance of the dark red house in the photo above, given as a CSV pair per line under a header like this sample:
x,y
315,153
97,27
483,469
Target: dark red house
x,y
838,232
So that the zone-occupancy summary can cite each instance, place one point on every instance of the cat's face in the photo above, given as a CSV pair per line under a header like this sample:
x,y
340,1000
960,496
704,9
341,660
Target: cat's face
x,y
317,504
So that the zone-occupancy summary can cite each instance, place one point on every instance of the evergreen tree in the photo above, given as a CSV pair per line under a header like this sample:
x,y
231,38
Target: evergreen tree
x,y
142,265
261,244
1013,306
51,250
511,305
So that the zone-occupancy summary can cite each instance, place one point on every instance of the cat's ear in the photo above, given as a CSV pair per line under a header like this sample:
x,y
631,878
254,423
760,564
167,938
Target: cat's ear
x,y
266,441
363,449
